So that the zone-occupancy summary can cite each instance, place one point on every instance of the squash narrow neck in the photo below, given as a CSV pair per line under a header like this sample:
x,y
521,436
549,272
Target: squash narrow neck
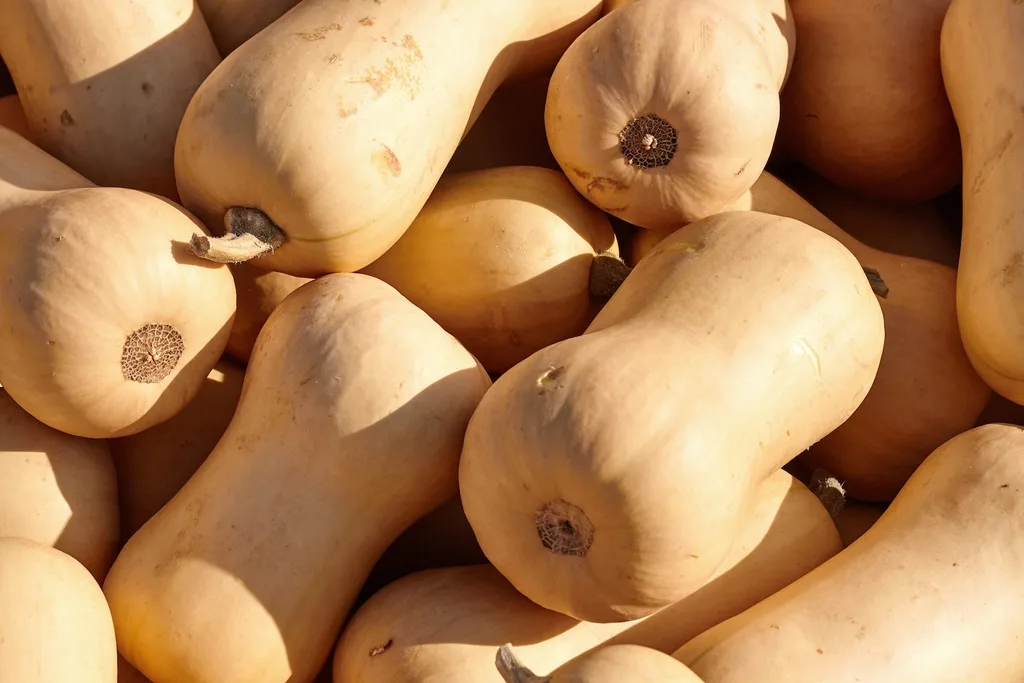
x,y
26,171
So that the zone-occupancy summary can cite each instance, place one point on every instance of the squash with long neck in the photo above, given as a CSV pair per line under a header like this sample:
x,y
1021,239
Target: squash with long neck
x,y
348,430
318,141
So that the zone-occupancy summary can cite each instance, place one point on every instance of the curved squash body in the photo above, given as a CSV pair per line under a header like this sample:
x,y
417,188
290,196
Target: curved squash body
x,y
153,465
232,22
855,520
990,285
12,116
400,635
259,293
337,120
56,627
585,469
254,564
57,489
105,83
111,326
501,258
613,664
930,593
865,105
926,391
665,111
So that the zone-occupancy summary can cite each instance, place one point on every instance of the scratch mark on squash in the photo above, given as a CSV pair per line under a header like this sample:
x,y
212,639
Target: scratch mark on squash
x,y
1011,271
742,168
600,183
387,161
366,21
678,247
331,59
318,33
381,649
549,378
803,347
986,168
580,173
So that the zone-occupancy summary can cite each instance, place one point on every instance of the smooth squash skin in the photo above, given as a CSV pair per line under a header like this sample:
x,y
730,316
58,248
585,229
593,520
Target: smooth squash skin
x,y
153,465
985,100
608,665
926,391
585,472
348,430
110,324
56,627
865,105
665,111
930,593
12,117
105,83
855,520
502,259
444,624
57,489
259,293
320,139
232,22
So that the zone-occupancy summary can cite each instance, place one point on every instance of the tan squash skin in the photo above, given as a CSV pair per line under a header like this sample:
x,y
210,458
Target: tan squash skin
x,y
765,314
926,391
711,70
259,293
990,286
444,624
337,120
930,594
153,465
609,665
86,270
855,519
296,504
57,489
12,116
502,259
106,82
56,627
232,22
865,105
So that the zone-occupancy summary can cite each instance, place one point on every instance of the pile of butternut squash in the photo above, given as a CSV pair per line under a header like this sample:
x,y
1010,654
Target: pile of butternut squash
x,y
409,341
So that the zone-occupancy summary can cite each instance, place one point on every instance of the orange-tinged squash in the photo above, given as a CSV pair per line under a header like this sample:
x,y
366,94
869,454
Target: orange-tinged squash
x,y
232,22
56,627
318,141
110,324
57,489
105,84
126,673
503,259
926,391
665,111
930,593
855,520
12,116
259,293
348,430
153,465
608,665
590,490
865,105
976,41
444,624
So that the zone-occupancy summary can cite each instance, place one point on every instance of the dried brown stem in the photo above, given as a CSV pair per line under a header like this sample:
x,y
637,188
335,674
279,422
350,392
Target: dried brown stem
x,y
249,234
607,273
829,491
512,670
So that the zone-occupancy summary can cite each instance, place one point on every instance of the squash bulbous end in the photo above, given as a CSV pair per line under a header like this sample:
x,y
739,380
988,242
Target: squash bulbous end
x,y
607,273
151,353
564,529
648,141
512,670
829,491
249,234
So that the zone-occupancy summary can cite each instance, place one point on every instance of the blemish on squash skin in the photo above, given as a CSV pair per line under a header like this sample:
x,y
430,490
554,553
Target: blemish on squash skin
x,y
66,118
366,21
676,247
318,33
395,71
549,378
580,173
387,161
802,346
147,88
381,649
1011,271
601,183
990,162
742,168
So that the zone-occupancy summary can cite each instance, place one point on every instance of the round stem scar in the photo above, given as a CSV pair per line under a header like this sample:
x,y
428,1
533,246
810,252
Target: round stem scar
x,y
829,491
564,529
648,141
249,233
607,273
512,670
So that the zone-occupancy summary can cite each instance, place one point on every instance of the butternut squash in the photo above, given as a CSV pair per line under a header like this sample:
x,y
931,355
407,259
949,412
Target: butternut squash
x,y
503,259
929,593
56,627
105,83
590,490
855,520
259,293
153,465
126,673
443,624
12,116
985,100
348,430
57,489
865,105
318,141
665,111
926,391
110,325
232,22
608,665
